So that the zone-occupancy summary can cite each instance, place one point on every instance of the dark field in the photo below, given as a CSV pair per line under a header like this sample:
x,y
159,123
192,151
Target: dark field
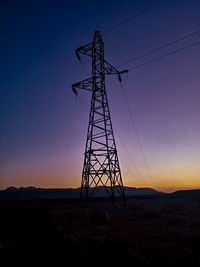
x,y
159,230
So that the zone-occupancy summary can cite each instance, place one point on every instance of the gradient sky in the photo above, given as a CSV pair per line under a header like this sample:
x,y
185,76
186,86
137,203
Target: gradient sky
x,y
43,128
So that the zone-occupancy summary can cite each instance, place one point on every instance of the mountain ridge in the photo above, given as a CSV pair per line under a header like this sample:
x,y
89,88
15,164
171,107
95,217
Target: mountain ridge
x,y
31,192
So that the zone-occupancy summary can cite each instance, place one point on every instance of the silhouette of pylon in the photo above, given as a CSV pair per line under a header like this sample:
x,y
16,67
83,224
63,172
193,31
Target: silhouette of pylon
x,y
101,164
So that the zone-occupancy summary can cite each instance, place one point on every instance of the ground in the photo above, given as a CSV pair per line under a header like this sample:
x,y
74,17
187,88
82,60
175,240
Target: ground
x,y
152,231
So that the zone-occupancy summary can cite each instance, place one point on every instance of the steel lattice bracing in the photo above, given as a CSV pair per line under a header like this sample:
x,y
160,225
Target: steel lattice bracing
x,y
101,164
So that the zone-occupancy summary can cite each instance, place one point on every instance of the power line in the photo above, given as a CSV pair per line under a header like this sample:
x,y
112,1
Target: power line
x,y
83,104
128,106
166,55
129,110
137,134
160,47
132,17
127,152
127,168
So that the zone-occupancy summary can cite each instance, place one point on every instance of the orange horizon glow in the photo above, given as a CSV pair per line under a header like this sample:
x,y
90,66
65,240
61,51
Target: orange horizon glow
x,y
44,129
60,181
54,173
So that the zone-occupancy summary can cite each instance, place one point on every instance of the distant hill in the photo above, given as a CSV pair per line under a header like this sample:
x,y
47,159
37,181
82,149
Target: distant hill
x,y
185,193
14,193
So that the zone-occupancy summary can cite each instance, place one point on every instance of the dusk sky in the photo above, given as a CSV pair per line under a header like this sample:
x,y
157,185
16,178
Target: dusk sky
x,y
43,128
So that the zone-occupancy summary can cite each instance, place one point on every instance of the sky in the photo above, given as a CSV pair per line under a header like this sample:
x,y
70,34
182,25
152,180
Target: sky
x,y
43,128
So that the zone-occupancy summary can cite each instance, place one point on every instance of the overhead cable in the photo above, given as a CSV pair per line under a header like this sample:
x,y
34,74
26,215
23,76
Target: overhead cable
x,y
160,47
164,56
132,17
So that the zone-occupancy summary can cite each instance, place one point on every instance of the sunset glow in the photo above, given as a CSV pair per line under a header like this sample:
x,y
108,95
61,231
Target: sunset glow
x,y
43,126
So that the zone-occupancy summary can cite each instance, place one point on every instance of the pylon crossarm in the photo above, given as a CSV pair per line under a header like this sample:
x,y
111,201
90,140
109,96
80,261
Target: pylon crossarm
x,y
85,84
109,69
85,50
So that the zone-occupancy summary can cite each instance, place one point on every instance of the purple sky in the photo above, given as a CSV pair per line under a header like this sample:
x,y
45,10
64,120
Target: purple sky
x,y
43,128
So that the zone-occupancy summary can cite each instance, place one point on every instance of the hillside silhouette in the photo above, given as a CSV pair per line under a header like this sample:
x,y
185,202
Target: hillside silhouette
x,y
57,193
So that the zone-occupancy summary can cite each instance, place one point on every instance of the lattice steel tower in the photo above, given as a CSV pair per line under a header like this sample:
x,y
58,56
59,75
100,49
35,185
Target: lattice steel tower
x,y
101,163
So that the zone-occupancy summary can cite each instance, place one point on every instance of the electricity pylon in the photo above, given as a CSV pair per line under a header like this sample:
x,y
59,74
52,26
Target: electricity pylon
x,y
101,163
